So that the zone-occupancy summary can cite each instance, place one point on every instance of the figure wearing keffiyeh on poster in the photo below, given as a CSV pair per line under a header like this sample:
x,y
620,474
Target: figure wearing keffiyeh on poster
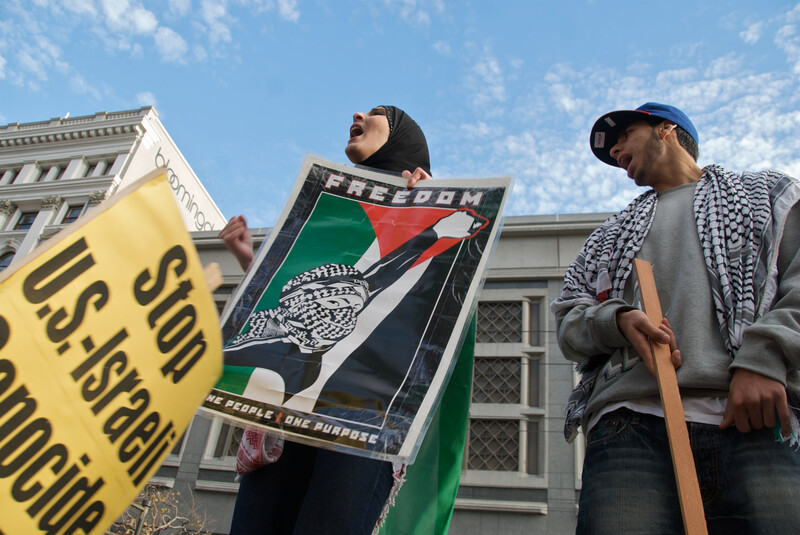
x,y
724,248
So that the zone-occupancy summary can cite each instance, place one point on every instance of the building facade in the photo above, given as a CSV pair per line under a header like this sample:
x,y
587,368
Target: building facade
x,y
518,474
52,172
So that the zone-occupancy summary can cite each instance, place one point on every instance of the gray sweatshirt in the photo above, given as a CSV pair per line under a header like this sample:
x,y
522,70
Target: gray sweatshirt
x,y
771,346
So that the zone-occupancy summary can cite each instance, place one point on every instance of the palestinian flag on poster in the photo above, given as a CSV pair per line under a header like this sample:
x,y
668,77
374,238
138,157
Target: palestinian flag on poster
x,y
344,330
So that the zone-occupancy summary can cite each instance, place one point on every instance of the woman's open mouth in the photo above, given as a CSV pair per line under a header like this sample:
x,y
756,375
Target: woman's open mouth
x,y
356,131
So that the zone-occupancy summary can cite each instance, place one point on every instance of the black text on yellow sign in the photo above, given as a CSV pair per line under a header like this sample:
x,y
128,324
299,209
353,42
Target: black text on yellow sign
x,y
125,354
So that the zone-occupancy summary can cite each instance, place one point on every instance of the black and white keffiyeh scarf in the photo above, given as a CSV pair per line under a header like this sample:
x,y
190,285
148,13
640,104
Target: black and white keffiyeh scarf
x,y
739,222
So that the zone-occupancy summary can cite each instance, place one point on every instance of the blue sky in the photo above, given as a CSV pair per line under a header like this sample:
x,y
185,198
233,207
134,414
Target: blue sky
x,y
247,88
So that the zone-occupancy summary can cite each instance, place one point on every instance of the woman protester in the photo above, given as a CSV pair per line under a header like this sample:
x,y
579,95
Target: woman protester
x,y
308,489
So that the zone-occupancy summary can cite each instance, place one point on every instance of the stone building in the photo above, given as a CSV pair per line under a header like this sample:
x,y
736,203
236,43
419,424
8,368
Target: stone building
x,y
52,172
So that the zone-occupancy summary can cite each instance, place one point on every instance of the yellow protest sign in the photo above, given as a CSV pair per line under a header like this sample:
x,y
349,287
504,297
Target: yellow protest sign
x,y
109,341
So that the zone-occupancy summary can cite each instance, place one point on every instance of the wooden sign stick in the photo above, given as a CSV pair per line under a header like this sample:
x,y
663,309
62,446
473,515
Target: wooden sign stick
x,y
694,520
213,276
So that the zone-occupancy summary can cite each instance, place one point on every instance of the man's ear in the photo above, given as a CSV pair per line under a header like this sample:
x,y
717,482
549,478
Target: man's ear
x,y
665,128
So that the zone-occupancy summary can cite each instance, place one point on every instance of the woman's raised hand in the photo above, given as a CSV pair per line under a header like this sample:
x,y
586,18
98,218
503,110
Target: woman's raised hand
x,y
238,240
418,174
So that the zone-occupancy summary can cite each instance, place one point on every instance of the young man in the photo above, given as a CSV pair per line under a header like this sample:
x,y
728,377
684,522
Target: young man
x,y
724,249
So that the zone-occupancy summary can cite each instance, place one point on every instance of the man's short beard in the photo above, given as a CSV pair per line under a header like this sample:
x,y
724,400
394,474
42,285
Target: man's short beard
x,y
653,148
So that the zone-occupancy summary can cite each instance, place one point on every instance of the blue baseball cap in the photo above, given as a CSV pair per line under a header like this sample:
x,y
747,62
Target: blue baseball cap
x,y
605,129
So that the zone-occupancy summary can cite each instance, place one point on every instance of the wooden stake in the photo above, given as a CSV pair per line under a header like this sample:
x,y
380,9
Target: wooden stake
x,y
213,276
694,521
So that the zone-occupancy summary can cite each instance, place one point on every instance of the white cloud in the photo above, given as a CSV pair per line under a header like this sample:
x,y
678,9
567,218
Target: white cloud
x,y
288,10
788,41
31,61
114,11
170,44
122,15
481,130
564,99
442,47
724,66
51,52
412,11
35,55
122,26
180,7
82,7
146,98
753,33
793,14
676,76
489,85
2,67
80,86
199,53
143,21
215,15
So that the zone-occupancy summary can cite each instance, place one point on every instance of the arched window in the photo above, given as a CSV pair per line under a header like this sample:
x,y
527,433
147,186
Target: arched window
x,y
5,259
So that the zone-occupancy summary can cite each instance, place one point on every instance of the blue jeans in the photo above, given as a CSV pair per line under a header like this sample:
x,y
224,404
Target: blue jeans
x,y
312,491
749,483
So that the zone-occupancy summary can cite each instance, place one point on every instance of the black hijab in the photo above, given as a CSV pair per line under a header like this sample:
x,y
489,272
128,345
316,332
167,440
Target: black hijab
x,y
406,147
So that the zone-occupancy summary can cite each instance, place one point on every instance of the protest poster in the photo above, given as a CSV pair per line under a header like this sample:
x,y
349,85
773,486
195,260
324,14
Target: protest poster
x,y
346,325
109,341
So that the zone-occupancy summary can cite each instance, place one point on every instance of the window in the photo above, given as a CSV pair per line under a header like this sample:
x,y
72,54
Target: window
x,y
73,212
499,323
96,169
535,325
222,444
177,448
493,445
6,259
219,455
54,172
7,176
496,380
505,439
502,323
25,220
228,439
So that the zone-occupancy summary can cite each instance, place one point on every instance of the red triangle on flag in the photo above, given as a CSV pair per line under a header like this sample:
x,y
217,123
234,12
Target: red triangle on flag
x,y
395,226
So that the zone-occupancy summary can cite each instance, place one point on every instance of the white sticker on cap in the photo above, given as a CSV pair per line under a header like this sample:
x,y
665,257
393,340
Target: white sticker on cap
x,y
599,140
610,122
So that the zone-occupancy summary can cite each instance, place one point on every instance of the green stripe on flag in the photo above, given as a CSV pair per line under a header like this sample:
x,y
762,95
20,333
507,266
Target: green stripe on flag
x,y
338,231
234,379
425,502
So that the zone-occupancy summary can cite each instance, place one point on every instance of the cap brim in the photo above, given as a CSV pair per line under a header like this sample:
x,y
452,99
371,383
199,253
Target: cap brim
x,y
604,132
